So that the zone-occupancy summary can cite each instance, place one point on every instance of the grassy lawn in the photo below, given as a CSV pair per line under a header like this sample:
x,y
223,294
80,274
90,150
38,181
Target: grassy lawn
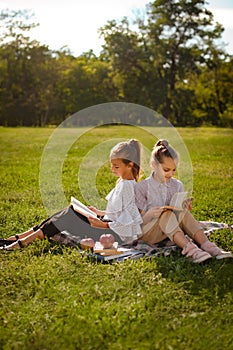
x,y
52,297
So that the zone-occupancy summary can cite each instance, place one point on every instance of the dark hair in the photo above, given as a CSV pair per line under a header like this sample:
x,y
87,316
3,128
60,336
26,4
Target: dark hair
x,y
128,151
162,149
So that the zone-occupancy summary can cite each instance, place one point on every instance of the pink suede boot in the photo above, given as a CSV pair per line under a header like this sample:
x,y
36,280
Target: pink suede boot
x,y
215,251
194,253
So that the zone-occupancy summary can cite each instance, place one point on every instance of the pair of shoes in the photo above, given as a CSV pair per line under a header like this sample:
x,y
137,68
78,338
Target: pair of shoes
x,y
4,242
5,249
8,248
195,254
215,251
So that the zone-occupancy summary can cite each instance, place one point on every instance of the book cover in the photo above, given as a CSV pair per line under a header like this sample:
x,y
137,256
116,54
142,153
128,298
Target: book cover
x,y
131,254
82,208
114,250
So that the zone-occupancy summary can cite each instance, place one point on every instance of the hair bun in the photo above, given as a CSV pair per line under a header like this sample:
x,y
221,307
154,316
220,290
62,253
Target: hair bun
x,y
132,142
163,149
162,142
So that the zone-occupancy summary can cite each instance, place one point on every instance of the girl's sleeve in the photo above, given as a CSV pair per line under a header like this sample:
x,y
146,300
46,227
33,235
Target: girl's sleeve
x,y
128,218
181,187
140,196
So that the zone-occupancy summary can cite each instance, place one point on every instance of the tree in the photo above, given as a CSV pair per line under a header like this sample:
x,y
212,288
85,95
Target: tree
x,y
129,58
213,89
154,62
28,73
168,61
40,87
184,32
83,82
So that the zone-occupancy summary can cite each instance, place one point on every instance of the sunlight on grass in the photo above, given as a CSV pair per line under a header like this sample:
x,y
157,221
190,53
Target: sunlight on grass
x,y
53,297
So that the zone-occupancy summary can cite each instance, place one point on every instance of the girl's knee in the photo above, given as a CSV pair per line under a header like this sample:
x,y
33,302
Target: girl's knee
x,y
31,238
167,214
169,224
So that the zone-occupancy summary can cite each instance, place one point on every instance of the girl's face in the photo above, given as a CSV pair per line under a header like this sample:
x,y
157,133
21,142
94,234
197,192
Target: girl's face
x,y
121,169
166,170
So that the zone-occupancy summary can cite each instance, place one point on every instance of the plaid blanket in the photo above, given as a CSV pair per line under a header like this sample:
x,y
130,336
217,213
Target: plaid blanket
x,y
165,247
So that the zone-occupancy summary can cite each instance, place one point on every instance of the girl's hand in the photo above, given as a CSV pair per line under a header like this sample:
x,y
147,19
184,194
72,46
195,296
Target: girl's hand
x,y
155,212
97,211
97,223
152,213
187,204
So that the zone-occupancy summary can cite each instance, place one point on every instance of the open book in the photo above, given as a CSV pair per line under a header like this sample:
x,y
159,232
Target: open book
x,y
176,201
82,208
175,204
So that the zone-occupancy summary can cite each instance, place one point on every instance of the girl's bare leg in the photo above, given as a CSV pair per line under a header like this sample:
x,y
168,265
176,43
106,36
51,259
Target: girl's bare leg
x,y
26,240
21,235
170,226
200,237
180,239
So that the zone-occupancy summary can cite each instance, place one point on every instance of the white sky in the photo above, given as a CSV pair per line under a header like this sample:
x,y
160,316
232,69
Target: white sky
x,y
75,23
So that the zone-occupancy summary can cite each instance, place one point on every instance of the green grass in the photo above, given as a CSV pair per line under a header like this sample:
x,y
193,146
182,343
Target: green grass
x,y
52,297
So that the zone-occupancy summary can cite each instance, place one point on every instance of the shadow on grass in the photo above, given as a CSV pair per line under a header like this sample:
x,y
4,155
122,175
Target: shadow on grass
x,y
47,247
214,276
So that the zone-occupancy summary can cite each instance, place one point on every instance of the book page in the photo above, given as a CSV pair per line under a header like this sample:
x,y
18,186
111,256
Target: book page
x,y
82,208
176,201
114,250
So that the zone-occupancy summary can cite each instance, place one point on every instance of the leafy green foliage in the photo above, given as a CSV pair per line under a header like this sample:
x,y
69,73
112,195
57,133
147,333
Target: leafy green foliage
x,y
53,297
168,60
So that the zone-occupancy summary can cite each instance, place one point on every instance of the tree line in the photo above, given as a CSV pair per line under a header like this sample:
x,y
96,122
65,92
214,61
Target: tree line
x,y
171,60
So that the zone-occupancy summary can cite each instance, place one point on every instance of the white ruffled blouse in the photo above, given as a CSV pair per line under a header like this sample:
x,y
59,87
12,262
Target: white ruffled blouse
x,y
123,212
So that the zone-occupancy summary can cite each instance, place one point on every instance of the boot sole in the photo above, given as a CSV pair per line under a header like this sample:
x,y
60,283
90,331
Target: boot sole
x,y
201,259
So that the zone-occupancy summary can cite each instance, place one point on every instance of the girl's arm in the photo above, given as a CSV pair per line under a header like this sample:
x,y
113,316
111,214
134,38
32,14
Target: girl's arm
x,y
187,204
95,222
152,213
97,211
98,223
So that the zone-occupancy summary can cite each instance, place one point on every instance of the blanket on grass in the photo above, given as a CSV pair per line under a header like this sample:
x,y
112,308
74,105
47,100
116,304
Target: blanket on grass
x,y
138,248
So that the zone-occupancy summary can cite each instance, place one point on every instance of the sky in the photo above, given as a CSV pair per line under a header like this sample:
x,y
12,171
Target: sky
x,y
75,23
